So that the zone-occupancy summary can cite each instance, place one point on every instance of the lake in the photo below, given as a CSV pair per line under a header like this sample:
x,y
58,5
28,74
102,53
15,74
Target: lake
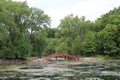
x,y
101,70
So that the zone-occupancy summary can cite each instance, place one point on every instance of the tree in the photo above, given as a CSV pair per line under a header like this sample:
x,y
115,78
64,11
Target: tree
x,y
89,44
108,28
71,32
61,46
37,23
51,45
24,29
107,36
39,43
77,46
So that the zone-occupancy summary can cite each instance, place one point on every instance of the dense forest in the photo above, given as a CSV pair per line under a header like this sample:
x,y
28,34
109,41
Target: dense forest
x,y
25,31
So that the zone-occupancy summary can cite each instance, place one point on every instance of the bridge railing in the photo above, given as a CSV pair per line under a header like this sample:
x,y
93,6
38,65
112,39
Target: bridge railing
x,y
76,58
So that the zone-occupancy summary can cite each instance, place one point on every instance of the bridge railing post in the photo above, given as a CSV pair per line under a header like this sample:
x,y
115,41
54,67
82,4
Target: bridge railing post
x,y
65,58
56,59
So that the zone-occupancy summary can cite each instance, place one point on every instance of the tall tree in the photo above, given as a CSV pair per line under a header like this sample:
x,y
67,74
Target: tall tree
x,y
24,27
107,36
89,44
72,31
108,29
38,22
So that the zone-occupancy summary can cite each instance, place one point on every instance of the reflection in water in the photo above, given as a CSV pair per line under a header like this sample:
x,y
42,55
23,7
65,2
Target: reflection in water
x,y
82,71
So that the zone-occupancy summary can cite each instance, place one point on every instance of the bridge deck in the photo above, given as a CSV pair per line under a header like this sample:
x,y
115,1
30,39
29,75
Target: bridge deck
x,y
76,58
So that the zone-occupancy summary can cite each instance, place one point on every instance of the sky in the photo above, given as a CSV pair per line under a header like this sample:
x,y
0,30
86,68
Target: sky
x,y
58,9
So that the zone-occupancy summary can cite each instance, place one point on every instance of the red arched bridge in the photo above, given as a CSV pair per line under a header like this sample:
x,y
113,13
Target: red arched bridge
x,y
67,56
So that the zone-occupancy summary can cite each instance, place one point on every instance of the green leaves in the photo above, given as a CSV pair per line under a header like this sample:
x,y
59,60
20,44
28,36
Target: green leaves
x,y
108,28
89,44
22,29
71,34
24,32
77,46
108,37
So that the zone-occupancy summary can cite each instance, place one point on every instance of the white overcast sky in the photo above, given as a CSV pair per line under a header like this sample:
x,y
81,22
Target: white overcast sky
x,y
58,9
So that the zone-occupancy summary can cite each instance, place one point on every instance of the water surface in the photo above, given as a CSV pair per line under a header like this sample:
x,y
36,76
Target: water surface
x,y
82,71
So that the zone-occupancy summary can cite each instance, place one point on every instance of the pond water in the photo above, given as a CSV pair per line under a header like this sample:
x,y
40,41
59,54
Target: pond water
x,y
82,71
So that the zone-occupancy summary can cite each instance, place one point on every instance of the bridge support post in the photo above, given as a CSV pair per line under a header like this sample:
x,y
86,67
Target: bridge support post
x,y
56,59
65,58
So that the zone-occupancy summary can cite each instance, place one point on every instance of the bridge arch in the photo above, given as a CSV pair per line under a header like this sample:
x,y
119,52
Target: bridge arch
x,y
67,56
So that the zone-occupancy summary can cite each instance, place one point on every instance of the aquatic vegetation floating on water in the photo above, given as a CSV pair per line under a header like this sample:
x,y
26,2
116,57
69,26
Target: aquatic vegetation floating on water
x,y
82,71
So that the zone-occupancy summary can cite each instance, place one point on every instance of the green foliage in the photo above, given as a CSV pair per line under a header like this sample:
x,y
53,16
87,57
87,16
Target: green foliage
x,y
50,49
108,36
89,44
21,30
61,46
24,32
77,46
39,43
83,37
71,34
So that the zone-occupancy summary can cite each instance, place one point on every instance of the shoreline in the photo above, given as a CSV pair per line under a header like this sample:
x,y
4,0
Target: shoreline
x,y
39,60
